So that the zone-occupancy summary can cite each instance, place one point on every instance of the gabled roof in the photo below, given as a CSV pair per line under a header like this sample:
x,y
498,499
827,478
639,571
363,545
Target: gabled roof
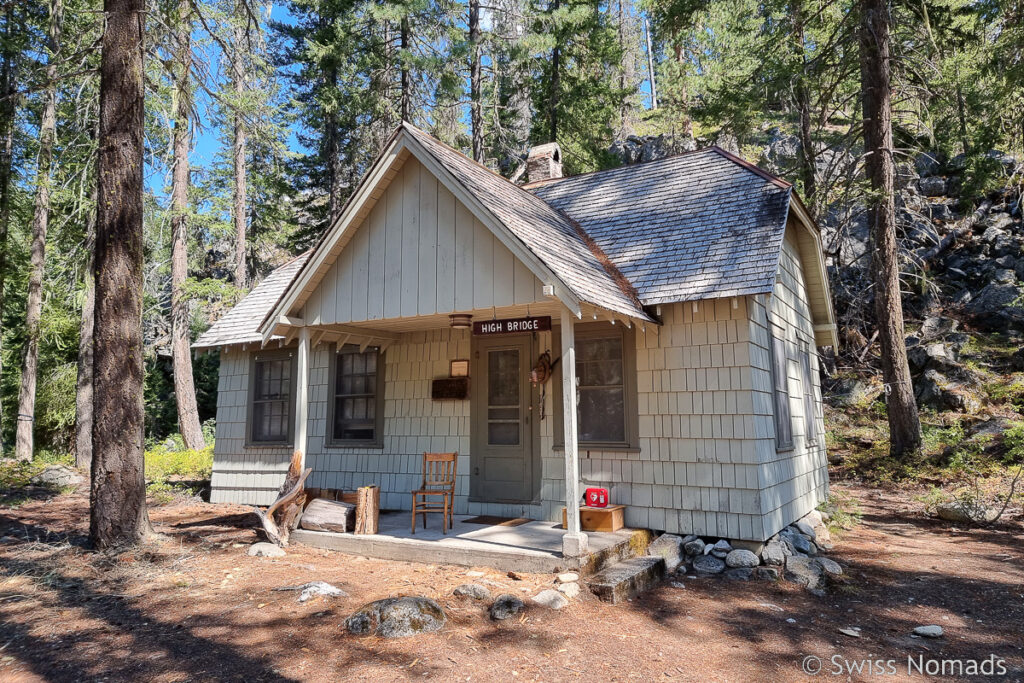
x,y
549,234
241,324
700,225
547,242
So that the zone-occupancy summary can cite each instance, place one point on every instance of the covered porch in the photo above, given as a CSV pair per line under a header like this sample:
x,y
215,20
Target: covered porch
x,y
540,497
534,546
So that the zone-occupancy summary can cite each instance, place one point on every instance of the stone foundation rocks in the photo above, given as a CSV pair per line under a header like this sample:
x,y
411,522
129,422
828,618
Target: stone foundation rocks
x,y
793,553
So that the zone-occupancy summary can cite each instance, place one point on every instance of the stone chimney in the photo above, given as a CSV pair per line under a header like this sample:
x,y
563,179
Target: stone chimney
x,y
544,162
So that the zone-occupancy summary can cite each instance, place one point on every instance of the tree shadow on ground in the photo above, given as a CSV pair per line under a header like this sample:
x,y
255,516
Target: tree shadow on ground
x,y
156,646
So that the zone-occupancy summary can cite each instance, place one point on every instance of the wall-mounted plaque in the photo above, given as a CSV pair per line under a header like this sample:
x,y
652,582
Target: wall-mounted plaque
x,y
449,389
512,325
459,368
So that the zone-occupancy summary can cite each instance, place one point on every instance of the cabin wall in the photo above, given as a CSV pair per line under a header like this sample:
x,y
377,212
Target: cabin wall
x,y
242,475
794,481
419,252
696,470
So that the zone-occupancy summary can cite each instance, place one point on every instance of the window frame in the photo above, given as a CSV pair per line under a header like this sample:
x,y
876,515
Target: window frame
x,y
330,440
810,404
780,390
259,357
600,330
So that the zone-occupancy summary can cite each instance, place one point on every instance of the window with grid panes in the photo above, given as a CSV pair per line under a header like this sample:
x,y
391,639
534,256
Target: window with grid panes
x,y
357,397
601,387
271,420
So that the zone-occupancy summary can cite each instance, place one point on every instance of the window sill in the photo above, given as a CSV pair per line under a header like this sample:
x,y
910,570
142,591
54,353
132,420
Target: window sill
x,y
558,448
268,444
355,445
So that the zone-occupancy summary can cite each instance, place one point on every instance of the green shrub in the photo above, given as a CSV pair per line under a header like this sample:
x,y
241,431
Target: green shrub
x,y
163,463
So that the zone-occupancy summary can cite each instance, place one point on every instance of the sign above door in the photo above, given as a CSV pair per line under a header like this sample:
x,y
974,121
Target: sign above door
x,y
512,325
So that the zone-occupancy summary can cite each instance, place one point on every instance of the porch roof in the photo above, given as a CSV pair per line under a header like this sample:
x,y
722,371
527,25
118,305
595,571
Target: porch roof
x,y
241,324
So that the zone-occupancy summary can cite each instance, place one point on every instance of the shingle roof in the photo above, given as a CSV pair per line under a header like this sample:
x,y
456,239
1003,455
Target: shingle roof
x,y
696,226
241,324
552,236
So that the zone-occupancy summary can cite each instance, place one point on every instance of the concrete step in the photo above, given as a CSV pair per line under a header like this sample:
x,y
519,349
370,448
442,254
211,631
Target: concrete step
x,y
627,579
634,545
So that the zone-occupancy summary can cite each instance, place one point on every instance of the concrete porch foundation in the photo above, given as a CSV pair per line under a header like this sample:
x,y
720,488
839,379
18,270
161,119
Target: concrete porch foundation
x,y
534,547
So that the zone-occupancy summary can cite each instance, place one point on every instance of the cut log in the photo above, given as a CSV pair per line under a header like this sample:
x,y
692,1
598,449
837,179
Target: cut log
x,y
279,519
329,515
924,256
367,509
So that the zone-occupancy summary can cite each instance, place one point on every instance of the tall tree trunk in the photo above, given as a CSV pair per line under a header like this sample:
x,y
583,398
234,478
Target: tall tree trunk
x,y
6,160
904,424
683,96
650,64
239,153
184,385
555,85
803,104
83,383
118,514
40,223
406,105
475,104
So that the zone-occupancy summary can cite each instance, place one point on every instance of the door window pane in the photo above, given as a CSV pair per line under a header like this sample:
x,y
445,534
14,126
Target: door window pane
x,y
503,397
355,396
780,375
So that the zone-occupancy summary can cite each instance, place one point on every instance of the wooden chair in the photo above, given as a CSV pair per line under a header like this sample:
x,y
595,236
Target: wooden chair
x,y
438,480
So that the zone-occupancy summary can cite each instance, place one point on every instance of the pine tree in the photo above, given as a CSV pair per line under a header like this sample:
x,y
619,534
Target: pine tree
x,y
40,224
118,514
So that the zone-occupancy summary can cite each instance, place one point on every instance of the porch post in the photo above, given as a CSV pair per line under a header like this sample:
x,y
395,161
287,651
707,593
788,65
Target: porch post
x,y
302,394
574,542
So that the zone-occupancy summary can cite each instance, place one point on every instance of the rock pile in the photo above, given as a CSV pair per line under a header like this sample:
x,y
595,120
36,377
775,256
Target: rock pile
x,y
795,553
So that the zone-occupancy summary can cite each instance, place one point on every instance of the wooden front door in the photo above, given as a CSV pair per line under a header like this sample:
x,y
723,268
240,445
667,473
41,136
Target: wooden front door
x,y
502,458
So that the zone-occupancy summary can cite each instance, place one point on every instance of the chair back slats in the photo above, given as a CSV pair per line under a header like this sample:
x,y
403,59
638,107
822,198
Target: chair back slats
x,y
439,470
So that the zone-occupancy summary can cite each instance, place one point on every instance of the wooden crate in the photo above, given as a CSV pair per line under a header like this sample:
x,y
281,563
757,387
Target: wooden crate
x,y
611,518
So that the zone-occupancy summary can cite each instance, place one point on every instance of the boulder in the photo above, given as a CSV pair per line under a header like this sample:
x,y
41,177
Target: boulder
x,y
505,606
708,564
806,529
669,547
569,590
804,571
265,550
937,327
694,547
932,186
766,573
568,577
939,391
741,558
966,512
397,617
721,549
830,567
797,542
774,553
932,631
472,590
58,477
739,573
551,599
927,164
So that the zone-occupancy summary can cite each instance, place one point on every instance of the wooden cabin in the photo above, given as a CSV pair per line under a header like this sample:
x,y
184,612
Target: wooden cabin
x,y
684,298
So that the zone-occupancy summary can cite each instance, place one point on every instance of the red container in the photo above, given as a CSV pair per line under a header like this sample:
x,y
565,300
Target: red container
x,y
597,498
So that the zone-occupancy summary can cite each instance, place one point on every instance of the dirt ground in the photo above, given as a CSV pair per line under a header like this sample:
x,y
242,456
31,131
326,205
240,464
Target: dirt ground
x,y
194,607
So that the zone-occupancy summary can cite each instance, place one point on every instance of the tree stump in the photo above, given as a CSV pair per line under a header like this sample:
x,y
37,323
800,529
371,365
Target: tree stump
x,y
280,518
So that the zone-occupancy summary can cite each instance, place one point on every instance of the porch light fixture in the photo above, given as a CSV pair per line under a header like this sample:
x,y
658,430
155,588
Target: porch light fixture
x,y
461,321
